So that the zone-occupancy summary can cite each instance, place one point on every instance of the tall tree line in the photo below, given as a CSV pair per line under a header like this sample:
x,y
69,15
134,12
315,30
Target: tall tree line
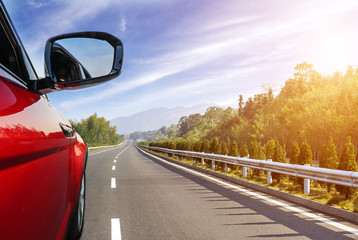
x,y
310,107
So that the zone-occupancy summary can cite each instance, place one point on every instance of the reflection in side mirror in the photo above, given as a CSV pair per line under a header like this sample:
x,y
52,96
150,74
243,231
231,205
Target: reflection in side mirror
x,y
79,60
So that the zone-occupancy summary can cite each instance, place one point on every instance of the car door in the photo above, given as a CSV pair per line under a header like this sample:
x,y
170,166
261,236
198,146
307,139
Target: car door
x,y
35,152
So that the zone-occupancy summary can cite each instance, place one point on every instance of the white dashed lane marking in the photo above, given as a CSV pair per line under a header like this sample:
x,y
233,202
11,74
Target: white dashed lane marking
x,y
113,183
116,229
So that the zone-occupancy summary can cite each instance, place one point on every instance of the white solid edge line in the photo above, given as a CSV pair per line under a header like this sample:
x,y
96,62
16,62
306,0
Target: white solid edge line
x,y
278,203
113,167
91,154
115,229
113,183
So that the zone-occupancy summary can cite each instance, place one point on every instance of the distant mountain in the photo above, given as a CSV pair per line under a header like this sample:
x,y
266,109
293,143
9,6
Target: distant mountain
x,y
155,118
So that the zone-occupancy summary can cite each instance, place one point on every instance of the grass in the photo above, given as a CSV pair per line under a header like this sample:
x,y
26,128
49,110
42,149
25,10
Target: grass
x,y
317,193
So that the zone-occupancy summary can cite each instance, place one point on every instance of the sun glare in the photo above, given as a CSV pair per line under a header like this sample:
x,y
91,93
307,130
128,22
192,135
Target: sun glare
x,y
335,53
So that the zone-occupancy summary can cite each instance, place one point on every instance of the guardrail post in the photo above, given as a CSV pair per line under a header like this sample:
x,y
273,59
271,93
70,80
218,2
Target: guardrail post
x,y
244,172
226,168
307,183
213,165
202,162
194,160
269,177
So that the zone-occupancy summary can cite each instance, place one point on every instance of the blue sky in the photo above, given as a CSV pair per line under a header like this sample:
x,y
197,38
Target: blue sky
x,y
186,52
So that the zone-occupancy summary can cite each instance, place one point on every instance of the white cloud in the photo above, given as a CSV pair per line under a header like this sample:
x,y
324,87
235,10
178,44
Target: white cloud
x,y
229,23
72,12
35,4
123,24
66,17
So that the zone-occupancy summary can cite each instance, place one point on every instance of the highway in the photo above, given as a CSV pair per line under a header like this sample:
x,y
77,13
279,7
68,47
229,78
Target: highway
x,y
132,195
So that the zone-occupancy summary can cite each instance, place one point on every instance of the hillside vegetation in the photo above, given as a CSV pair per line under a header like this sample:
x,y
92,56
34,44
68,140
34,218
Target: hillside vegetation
x,y
312,119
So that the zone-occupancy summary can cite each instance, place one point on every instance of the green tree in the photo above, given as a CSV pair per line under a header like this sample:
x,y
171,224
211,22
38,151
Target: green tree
x,y
304,158
171,145
197,146
217,149
244,151
305,154
261,152
294,156
97,131
294,153
223,148
234,151
329,159
214,146
278,156
241,104
254,150
188,145
269,149
205,146
179,145
347,163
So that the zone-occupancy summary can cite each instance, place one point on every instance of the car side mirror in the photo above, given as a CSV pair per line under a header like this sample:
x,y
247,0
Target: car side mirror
x,y
82,59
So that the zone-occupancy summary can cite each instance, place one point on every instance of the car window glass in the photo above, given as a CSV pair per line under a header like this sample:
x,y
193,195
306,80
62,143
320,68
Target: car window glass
x,y
30,69
7,53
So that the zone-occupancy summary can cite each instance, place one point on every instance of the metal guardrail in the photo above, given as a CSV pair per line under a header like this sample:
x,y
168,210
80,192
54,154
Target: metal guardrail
x,y
339,177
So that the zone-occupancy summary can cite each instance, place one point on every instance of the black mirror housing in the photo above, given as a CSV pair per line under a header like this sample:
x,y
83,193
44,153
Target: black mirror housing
x,y
64,71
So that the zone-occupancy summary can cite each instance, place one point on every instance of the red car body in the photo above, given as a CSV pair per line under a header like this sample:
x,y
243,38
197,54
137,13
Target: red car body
x,y
42,158
40,168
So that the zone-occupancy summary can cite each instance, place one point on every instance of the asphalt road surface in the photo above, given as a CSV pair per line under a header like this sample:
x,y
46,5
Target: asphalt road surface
x,y
132,195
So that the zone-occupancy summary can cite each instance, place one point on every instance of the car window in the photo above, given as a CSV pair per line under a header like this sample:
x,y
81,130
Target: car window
x,y
8,57
13,56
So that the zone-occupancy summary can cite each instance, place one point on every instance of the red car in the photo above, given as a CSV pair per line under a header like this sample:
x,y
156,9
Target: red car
x,y
42,158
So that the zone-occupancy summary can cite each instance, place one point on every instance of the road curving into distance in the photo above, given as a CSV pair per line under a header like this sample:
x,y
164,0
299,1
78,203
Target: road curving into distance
x,y
133,195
